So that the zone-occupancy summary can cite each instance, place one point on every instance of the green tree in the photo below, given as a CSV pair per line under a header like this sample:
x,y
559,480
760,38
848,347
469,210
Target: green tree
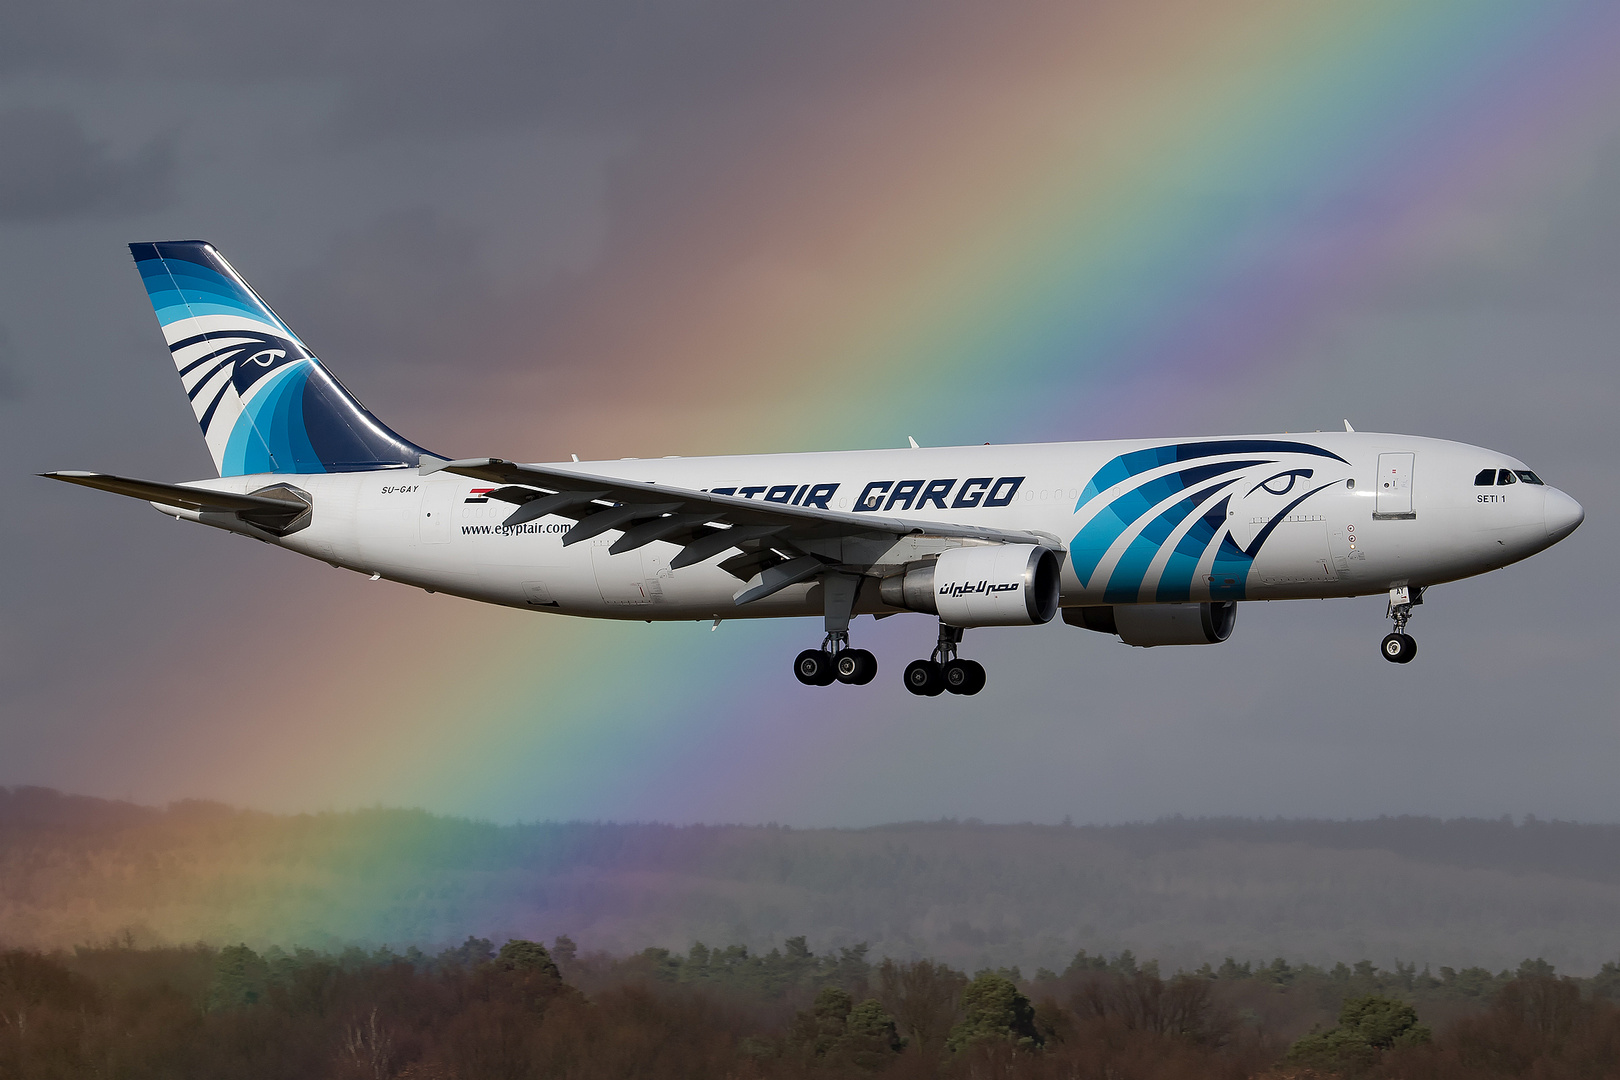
x,y
870,1037
818,1029
241,977
837,1030
1367,1026
526,956
993,1010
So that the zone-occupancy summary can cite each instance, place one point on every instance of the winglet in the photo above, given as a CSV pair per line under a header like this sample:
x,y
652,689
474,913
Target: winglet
x,y
913,443
1347,426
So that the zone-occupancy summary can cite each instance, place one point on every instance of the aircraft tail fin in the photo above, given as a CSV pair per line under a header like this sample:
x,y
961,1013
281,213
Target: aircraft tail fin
x,y
265,403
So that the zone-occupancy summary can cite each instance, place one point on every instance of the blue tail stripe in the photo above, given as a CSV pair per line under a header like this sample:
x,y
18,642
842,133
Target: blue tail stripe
x,y
247,453
293,416
181,288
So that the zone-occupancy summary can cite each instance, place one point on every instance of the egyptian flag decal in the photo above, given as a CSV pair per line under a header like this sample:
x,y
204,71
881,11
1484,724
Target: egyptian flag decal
x,y
479,495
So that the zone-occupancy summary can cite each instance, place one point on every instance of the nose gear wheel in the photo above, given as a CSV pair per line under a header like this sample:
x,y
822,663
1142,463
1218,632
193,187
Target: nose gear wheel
x,y
1400,647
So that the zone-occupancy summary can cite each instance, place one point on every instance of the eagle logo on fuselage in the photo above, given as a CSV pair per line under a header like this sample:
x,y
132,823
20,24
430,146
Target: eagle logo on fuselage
x,y
1156,520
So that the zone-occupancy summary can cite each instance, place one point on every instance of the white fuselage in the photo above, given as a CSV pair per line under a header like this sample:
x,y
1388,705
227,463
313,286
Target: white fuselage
x,y
1359,517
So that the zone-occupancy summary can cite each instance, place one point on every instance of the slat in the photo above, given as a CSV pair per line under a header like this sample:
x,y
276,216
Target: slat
x,y
603,520
707,547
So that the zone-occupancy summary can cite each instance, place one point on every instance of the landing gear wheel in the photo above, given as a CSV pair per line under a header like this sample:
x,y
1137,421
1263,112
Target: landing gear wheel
x,y
964,676
1399,648
925,678
857,667
814,667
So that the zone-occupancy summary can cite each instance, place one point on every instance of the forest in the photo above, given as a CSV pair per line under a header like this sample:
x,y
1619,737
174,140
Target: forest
x,y
528,1010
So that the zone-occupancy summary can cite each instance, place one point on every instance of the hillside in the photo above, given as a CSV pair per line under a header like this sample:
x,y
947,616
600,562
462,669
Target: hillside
x,y
1457,893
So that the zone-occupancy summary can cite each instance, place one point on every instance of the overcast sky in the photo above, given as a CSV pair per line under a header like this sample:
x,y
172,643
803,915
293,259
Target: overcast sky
x,y
432,194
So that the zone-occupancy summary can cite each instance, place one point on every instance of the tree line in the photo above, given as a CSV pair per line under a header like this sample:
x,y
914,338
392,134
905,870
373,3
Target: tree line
x,y
527,1010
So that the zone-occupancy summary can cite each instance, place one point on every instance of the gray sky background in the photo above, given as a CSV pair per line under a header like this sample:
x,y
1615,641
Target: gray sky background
x,y
533,149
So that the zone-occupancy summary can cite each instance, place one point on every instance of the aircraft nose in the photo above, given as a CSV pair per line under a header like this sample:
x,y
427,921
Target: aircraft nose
x,y
1562,514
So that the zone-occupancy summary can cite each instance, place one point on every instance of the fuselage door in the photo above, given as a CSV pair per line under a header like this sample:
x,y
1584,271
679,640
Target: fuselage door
x,y
438,504
620,578
1394,494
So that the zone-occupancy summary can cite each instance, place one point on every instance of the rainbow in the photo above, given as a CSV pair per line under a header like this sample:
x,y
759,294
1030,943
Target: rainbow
x,y
1058,221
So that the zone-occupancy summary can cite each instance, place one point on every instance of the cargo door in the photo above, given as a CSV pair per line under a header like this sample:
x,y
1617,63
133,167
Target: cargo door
x,y
1394,495
620,578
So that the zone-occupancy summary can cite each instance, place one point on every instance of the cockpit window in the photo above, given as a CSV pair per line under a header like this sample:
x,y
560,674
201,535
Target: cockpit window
x,y
1486,478
1504,477
1527,476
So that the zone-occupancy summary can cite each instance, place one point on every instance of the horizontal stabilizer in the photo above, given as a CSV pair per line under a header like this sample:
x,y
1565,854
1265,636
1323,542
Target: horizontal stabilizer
x,y
271,513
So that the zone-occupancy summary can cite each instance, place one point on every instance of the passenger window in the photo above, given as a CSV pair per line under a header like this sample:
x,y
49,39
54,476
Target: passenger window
x,y
1505,477
1486,478
1527,476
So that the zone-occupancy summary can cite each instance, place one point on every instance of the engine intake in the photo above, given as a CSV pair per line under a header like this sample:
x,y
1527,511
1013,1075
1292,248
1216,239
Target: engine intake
x,y
1147,625
999,585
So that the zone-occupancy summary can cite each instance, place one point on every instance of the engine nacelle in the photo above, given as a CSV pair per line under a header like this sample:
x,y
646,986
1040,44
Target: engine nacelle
x,y
992,585
1147,625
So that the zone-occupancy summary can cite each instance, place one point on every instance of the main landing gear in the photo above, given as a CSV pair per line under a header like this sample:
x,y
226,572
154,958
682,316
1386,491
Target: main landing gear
x,y
835,661
1400,647
944,670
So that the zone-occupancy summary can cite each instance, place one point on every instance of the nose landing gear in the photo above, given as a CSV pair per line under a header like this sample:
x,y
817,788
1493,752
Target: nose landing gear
x,y
944,670
1400,647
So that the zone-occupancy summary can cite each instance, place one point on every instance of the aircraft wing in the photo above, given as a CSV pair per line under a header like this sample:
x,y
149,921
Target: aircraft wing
x,y
777,543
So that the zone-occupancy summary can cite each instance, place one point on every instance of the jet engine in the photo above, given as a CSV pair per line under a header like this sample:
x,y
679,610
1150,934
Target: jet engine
x,y
993,585
1147,625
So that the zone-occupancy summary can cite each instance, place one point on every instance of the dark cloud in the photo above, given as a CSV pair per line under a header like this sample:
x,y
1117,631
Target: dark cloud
x,y
11,387
407,287
52,168
424,65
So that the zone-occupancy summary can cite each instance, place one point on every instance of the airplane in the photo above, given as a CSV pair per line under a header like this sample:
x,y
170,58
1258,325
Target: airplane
x,y
1153,541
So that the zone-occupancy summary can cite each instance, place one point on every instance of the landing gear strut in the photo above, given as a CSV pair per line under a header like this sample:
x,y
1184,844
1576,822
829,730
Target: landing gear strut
x,y
1400,647
944,670
835,661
